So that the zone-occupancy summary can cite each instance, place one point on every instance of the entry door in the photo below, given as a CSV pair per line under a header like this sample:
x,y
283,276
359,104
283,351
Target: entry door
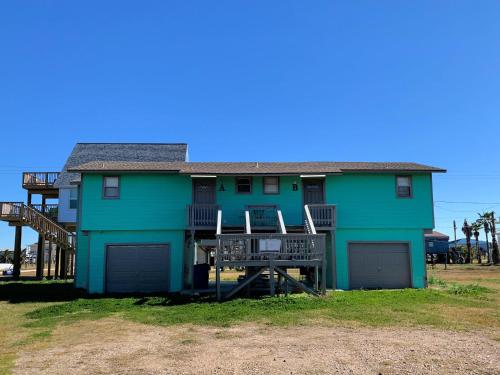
x,y
313,191
204,190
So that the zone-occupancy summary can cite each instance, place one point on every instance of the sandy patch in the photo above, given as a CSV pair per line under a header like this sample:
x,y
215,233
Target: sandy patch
x,y
114,346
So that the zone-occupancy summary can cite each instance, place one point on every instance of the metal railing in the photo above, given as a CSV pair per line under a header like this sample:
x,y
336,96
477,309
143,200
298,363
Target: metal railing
x,y
275,246
202,215
323,215
39,179
27,215
49,210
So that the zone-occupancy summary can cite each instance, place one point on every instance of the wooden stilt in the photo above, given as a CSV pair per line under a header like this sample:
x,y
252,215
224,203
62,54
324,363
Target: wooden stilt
x,y
17,253
39,257
63,261
71,265
56,266
272,288
49,261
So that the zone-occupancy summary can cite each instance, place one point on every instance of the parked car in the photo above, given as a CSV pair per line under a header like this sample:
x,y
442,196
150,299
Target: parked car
x,y
6,268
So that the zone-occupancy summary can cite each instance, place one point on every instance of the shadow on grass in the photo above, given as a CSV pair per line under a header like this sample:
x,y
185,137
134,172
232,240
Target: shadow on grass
x,y
64,291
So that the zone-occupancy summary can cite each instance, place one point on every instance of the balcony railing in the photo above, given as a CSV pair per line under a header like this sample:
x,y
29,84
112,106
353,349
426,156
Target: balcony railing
x,y
49,210
39,179
323,215
276,246
263,216
202,215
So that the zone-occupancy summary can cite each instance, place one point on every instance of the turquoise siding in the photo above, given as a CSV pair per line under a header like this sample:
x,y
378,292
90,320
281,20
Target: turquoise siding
x,y
81,262
147,202
369,201
152,209
233,204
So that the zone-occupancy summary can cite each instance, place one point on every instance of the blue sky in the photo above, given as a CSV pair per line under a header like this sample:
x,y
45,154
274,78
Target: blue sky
x,y
258,80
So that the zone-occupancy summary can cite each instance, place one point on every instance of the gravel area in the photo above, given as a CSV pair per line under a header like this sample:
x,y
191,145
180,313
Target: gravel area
x,y
113,346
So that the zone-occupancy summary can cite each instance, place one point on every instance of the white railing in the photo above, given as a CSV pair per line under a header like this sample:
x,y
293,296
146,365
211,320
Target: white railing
x,y
219,221
308,221
281,222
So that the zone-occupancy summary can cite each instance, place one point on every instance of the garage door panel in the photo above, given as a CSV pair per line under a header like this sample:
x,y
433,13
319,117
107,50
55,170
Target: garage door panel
x,y
137,268
379,265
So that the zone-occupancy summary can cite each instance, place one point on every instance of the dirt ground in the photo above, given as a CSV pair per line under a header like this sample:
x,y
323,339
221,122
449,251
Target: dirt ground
x,y
121,347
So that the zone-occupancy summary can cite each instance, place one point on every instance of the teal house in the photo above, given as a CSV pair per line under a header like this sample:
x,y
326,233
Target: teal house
x,y
146,219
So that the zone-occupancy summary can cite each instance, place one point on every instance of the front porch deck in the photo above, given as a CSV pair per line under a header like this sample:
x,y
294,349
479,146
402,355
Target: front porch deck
x,y
272,253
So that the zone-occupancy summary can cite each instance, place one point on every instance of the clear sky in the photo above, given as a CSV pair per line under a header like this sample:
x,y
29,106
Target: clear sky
x,y
258,80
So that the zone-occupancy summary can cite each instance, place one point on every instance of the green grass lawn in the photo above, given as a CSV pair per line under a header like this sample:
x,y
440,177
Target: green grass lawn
x,y
458,298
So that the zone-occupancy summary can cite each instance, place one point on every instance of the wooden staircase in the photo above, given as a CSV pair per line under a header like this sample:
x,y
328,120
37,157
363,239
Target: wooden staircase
x,y
18,213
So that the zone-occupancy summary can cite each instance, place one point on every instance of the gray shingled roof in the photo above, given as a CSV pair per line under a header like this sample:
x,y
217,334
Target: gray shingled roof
x,y
119,152
242,168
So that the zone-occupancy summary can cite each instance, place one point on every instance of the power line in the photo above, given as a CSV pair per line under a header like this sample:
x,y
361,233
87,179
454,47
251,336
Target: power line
x,y
466,202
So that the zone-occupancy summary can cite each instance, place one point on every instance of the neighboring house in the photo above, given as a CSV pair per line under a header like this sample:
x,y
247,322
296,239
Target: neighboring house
x,y
346,225
436,243
56,222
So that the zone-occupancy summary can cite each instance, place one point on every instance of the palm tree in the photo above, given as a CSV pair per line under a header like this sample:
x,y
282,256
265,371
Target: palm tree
x,y
488,222
476,226
495,255
466,229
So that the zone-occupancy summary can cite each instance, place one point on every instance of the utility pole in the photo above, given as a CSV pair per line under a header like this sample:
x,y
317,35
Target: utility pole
x,y
455,233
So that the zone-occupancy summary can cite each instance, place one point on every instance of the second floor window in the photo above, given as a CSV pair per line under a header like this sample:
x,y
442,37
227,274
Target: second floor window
x,y
73,198
244,185
271,185
111,187
403,186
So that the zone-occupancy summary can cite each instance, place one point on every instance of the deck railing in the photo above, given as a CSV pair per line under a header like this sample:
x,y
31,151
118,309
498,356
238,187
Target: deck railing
x,y
39,179
202,215
323,215
275,246
49,210
18,211
263,216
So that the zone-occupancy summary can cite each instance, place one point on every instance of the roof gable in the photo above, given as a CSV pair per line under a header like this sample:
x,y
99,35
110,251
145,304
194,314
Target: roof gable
x,y
119,152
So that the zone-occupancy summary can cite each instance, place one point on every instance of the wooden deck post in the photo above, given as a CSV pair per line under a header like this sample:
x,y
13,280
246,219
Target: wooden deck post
x,y
49,261
17,253
272,287
71,264
56,268
39,257
62,269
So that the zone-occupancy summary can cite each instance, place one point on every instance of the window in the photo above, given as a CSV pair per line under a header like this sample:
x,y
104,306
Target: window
x,y
111,187
271,185
403,186
244,185
73,198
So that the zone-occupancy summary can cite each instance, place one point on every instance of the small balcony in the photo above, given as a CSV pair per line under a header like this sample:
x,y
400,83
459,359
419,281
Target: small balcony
x,y
48,210
263,216
202,216
324,216
40,181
